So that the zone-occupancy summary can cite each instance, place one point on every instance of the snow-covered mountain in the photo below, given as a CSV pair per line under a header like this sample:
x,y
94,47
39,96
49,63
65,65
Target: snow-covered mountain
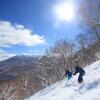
x,y
71,90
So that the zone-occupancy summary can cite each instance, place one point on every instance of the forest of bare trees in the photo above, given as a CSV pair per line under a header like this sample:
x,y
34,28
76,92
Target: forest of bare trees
x,y
89,18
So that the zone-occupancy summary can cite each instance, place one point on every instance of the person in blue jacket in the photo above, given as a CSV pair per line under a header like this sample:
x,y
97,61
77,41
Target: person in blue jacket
x,y
79,70
68,74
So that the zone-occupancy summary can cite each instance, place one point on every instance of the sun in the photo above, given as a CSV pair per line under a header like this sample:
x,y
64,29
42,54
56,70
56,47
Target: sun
x,y
64,11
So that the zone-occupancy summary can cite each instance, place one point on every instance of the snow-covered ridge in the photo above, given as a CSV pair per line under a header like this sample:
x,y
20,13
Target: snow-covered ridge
x,y
63,90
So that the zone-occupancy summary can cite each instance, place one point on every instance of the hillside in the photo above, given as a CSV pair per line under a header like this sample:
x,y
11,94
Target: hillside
x,y
17,65
63,90
18,77
21,76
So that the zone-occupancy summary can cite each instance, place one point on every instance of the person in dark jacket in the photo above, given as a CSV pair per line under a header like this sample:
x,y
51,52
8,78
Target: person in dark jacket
x,y
79,70
81,73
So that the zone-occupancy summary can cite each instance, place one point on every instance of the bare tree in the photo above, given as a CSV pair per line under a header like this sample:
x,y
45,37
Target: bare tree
x,y
89,17
64,49
8,92
82,40
44,67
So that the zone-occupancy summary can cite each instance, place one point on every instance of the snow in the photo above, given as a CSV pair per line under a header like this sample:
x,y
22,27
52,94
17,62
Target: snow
x,y
71,90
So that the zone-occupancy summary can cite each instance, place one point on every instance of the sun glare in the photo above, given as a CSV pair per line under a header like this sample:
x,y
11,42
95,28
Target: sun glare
x,y
64,11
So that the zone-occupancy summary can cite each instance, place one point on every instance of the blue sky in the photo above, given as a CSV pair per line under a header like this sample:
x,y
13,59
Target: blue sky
x,y
37,18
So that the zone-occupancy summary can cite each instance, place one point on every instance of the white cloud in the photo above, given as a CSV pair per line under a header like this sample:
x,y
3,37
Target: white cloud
x,y
32,52
18,35
5,55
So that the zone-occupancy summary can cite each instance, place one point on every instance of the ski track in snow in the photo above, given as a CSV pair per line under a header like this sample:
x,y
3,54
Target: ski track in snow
x,y
71,90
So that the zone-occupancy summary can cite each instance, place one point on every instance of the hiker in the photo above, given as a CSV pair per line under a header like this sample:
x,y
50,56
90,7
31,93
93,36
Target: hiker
x,y
81,73
68,74
77,69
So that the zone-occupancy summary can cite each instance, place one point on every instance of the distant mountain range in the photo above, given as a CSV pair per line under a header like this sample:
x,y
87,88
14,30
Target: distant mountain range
x,y
17,65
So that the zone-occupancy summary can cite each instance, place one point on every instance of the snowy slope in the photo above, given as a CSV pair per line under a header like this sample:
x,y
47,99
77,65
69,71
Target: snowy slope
x,y
63,90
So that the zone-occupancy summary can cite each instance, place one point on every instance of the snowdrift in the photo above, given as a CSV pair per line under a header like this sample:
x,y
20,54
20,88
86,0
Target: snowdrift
x,y
71,90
